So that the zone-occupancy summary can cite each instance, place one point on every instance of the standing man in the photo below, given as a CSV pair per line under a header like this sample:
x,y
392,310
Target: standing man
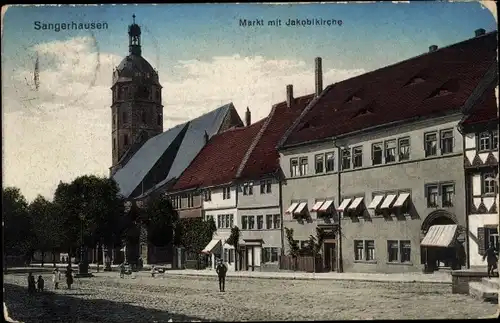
x,y
491,258
221,272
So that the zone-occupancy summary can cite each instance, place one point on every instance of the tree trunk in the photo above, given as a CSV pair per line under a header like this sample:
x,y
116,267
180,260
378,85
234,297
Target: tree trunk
x,y
54,259
43,257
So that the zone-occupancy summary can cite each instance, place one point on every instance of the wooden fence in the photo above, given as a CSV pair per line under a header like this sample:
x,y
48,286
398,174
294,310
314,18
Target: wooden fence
x,y
301,263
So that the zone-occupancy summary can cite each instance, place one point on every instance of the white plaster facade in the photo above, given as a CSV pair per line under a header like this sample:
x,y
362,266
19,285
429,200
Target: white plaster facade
x,y
222,208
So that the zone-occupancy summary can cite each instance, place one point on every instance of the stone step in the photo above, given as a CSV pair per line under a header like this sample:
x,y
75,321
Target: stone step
x,y
492,282
481,291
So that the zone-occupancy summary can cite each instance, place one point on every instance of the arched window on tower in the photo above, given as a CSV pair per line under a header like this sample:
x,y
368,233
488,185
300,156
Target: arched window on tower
x,y
114,144
158,95
124,117
125,140
123,93
143,116
159,118
115,124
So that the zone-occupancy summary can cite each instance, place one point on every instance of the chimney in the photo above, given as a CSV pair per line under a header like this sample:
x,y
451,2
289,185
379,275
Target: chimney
x,y
479,32
289,95
205,136
318,75
433,48
248,117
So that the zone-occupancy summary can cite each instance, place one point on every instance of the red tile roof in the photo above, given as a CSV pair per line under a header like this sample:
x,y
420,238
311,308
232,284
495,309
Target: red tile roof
x,y
264,158
218,162
485,110
434,83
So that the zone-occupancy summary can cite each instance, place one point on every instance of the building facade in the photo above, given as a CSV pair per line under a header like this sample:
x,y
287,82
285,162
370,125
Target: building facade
x,y
391,183
480,130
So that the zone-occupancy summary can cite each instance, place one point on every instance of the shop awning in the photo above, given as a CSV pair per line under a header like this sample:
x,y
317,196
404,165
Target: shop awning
x,y
388,200
376,201
326,205
300,208
317,206
440,236
211,246
357,201
401,199
291,208
343,205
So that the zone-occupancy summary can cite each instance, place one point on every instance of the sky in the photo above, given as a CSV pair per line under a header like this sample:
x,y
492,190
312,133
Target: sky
x,y
204,58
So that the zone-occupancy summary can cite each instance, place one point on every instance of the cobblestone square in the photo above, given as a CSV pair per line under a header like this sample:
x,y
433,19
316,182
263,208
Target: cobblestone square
x,y
106,298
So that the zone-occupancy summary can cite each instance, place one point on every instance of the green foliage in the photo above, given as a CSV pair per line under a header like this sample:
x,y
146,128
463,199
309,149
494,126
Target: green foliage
x,y
46,218
160,219
315,244
91,211
195,233
18,230
234,238
293,245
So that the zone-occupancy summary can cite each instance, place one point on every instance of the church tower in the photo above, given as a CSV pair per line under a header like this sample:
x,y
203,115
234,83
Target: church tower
x,y
136,110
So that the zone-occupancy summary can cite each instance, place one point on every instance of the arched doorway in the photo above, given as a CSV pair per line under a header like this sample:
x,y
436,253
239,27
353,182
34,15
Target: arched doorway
x,y
440,246
438,217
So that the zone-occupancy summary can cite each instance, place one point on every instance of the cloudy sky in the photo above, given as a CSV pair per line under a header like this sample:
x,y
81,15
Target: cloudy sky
x,y
205,59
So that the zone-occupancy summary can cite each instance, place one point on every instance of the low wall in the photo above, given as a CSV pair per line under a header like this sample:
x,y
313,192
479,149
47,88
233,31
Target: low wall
x,y
461,278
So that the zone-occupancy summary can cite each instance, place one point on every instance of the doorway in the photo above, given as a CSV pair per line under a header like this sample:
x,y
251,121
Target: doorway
x,y
329,258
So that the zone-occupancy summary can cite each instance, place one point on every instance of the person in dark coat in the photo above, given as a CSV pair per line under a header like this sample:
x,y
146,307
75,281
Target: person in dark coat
x,y
491,258
40,283
31,283
221,270
69,276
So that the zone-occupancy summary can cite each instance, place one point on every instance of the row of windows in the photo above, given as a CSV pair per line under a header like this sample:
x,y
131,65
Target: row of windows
x,y
177,201
268,254
225,221
488,141
398,251
440,195
144,118
247,187
126,93
248,222
389,151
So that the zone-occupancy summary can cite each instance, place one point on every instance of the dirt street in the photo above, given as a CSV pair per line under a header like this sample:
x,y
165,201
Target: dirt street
x,y
110,299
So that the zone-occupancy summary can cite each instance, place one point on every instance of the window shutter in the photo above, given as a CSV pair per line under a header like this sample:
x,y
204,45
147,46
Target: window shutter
x,y
481,243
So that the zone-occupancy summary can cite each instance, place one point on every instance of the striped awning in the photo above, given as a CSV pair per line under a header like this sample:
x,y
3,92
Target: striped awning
x,y
440,236
211,245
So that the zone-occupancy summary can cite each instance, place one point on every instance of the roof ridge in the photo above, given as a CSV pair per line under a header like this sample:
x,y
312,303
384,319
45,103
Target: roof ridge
x,y
255,141
423,54
309,106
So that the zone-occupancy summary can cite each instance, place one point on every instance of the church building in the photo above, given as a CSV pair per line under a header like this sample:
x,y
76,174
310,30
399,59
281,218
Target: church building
x,y
146,159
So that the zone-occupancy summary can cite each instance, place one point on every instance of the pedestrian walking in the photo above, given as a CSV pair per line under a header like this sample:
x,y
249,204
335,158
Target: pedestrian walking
x,y
31,283
56,278
221,270
491,257
153,271
69,276
40,284
122,270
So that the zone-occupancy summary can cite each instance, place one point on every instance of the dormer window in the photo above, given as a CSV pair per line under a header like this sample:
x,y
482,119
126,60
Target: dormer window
x,y
415,80
353,98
